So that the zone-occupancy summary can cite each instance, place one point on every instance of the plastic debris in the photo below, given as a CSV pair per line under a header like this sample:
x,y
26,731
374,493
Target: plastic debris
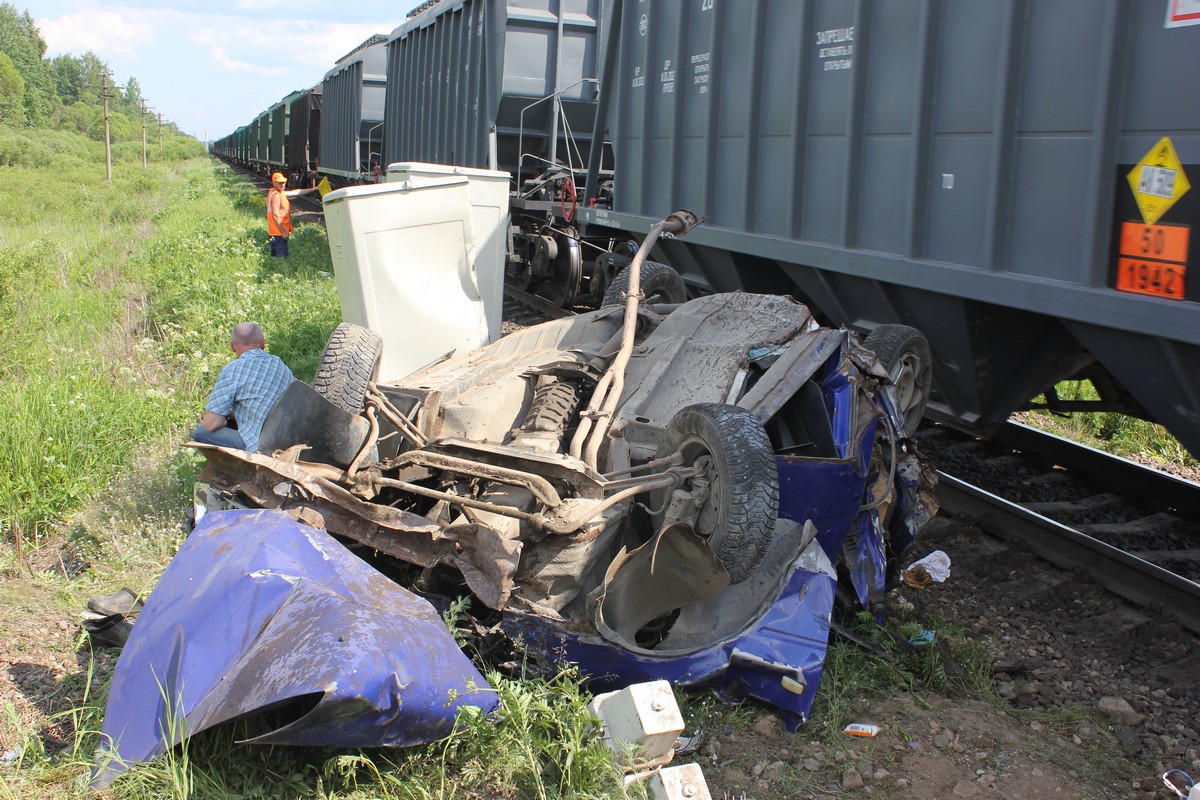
x,y
933,568
922,637
1192,789
690,744
862,729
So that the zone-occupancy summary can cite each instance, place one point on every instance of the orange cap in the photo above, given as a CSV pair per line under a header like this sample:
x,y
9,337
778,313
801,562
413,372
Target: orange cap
x,y
278,177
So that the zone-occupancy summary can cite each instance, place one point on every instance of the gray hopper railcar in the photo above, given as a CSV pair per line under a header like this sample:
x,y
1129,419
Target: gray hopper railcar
x,y
1011,177
351,132
304,136
508,85
292,135
280,133
478,83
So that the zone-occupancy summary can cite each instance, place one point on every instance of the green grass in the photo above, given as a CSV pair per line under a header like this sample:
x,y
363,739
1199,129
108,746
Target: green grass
x,y
951,665
540,743
1108,430
117,303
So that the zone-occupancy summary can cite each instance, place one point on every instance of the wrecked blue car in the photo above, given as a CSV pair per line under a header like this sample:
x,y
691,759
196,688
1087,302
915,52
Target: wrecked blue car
x,y
646,490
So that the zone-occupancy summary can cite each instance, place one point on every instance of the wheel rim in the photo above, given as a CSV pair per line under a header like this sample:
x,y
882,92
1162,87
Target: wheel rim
x,y
566,273
697,455
657,296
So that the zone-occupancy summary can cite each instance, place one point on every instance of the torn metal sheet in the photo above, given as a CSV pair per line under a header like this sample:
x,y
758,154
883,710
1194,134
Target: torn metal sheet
x,y
485,557
260,613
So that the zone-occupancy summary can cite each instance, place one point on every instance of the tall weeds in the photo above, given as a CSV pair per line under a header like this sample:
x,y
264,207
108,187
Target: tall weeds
x,y
116,303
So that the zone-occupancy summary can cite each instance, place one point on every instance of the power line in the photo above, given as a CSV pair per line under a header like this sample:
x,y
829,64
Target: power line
x,y
40,23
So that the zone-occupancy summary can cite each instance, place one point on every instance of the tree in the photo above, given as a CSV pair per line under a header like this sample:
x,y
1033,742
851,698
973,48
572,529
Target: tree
x,y
131,97
81,116
12,92
120,129
73,75
23,44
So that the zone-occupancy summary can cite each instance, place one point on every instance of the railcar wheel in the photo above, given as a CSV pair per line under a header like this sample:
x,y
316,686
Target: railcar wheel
x,y
731,449
905,354
565,272
349,363
660,283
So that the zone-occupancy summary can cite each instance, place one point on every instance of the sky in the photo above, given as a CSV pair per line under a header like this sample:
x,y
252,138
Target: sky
x,y
211,66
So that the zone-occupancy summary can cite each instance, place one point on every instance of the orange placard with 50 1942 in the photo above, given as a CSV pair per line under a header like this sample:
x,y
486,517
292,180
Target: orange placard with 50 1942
x,y
1153,259
1151,277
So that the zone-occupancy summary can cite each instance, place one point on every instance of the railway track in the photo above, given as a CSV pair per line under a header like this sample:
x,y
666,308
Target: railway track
x,y
522,309
1083,588
1134,529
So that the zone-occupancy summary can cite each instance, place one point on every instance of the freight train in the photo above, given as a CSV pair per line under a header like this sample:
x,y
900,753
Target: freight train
x,y
1013,178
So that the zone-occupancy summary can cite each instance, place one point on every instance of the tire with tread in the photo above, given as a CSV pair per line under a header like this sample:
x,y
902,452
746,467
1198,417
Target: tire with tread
x,y
660,283
905,354
349,363
731,445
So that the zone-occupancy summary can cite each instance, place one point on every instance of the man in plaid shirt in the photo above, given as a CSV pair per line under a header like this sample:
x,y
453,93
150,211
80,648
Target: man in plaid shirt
x,y
245,391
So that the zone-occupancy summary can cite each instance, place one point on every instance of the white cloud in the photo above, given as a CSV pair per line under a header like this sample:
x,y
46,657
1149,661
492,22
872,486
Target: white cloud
x,y
310,47
327,43
215,65
222,60
96,30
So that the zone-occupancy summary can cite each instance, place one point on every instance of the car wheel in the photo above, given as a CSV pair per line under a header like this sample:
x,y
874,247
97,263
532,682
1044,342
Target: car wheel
x,y
905,354
660,283
731,449
349,363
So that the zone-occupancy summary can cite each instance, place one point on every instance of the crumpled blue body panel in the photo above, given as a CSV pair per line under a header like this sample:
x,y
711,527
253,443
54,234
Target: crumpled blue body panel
x,y
260,612
788,641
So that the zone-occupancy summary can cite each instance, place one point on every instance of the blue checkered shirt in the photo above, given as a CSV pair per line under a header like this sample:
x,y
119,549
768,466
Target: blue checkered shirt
x,y
248,387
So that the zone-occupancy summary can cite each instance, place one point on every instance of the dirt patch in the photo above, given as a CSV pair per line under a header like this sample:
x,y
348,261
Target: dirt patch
x,y
42,670
929,747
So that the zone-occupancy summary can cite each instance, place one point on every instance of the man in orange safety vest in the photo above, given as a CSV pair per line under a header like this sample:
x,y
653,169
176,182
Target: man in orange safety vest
x,y
279,213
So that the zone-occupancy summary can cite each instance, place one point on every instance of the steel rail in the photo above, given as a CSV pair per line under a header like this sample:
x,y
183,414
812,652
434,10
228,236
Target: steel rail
x,y
539,304
1134,479
1120,572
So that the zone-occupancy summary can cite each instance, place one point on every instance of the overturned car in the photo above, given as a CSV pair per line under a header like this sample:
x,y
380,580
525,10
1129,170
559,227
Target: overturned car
x,y
647,491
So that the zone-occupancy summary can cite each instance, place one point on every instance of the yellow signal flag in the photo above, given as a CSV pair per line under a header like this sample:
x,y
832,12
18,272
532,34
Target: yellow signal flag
x,y
324,187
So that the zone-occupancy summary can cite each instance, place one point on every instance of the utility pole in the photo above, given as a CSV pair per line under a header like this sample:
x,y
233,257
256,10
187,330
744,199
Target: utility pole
x,y
144,161
107,138
104,87
160,133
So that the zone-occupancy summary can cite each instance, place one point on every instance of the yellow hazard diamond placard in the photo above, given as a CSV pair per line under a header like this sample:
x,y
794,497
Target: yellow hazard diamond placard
x,y
1158,181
